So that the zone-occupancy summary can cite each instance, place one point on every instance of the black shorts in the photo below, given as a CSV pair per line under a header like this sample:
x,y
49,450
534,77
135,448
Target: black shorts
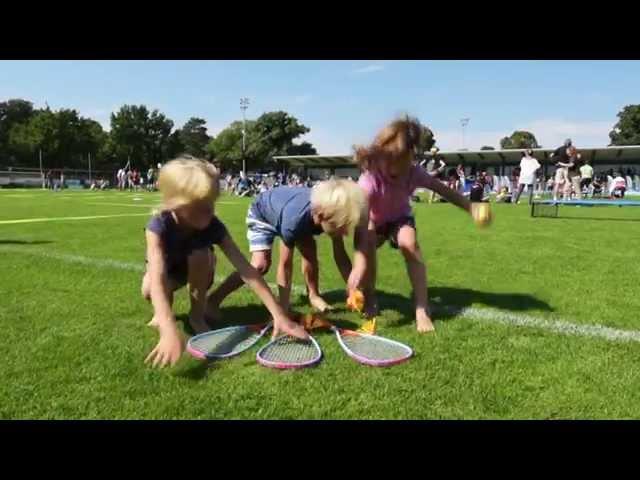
x,y
179,274
585,182
390,230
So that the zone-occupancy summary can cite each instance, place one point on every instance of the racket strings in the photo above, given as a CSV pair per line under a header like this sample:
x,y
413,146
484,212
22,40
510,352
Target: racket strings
x,y
224,343
290,350
374,348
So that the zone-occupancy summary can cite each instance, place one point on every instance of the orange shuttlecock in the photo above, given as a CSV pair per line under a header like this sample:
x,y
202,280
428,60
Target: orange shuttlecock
x,y
313,322
356,300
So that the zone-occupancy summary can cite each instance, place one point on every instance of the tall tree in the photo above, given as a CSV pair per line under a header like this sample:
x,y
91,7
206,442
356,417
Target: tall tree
x,y
64,137
627,130
193,136
139,135
304,148
226,147
273,134
519,139
12,112
175,146
427,140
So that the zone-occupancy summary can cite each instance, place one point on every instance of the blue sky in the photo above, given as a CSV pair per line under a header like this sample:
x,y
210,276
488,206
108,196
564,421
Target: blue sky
x,y
345,102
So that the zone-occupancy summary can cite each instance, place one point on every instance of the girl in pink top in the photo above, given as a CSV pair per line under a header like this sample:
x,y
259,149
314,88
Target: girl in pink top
x,y
389,178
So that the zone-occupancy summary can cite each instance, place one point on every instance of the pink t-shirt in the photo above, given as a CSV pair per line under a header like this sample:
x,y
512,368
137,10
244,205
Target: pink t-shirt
x,y
389,200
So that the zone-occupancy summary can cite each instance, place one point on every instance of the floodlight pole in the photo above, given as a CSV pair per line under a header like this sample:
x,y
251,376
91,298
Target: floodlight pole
x,y
244,104
464,122
41,172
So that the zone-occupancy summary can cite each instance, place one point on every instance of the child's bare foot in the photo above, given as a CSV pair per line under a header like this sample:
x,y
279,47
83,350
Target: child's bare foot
x,y
319,304
423,321
199,325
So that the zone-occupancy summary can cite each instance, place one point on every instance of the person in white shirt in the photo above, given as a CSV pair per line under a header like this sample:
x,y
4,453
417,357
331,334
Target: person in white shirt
x,y
120,176
529,165
618,186
586,175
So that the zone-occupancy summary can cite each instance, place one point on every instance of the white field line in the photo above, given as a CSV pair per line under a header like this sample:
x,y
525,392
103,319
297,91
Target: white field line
x,y
135,205
62,219
490,315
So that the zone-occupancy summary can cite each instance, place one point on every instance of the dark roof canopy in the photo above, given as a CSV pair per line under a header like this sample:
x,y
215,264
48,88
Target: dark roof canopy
x,y
602,155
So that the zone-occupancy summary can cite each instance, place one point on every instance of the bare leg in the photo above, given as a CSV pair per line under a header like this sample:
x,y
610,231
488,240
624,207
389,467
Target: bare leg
x,y
201,269
169,285
261,261
284,275
369,282
309,253
418,274
577,187
518,193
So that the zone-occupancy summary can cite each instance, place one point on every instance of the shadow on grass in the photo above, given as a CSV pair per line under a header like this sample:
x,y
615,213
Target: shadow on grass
x,y
196,370
448,302
24,242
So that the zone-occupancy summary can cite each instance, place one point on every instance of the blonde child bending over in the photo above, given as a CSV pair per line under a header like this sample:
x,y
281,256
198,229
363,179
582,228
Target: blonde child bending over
x,y
180,239
296,215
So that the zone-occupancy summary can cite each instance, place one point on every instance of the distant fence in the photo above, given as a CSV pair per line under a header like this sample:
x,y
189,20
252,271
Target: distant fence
x,y
33,178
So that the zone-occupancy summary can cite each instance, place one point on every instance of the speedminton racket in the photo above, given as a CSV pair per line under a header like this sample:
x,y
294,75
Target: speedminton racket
x,y
366,348
287,352
226,342
372,349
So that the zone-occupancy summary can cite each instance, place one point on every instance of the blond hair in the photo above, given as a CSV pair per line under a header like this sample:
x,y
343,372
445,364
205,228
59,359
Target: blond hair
x,y
341,201
394,141
187,179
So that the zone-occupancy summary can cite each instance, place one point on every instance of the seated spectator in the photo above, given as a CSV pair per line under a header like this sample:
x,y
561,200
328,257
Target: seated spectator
x,y
504,196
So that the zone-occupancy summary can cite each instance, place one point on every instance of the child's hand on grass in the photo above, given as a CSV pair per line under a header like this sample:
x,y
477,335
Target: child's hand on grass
x,y
169,347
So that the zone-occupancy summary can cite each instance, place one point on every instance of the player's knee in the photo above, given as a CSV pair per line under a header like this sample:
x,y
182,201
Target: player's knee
x,y
262,266
408,246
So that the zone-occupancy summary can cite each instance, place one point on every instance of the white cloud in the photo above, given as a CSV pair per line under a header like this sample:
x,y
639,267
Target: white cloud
x,y
369,69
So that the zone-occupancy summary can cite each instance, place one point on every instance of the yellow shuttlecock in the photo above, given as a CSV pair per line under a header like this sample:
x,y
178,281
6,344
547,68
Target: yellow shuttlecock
x,y
369,327
481,213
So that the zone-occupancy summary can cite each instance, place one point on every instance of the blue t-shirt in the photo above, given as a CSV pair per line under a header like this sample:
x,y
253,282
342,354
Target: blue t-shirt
x,y
179,244
288,211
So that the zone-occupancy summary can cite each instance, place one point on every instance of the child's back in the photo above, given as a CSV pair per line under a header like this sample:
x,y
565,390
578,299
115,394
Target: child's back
x,y
288,210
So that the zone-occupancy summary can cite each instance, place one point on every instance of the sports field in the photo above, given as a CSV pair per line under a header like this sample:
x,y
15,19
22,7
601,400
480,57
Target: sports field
x,y
536,318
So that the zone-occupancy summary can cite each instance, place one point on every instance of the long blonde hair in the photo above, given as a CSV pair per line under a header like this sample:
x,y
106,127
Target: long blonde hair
x,y
187,179
397,141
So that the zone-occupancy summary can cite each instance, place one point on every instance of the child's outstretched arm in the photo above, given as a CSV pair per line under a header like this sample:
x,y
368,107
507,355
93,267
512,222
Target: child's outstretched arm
x,y
169,347
281,321
341,257
445,192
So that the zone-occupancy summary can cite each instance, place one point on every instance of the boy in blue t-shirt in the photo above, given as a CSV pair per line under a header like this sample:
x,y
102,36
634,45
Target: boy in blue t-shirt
x,y
296,215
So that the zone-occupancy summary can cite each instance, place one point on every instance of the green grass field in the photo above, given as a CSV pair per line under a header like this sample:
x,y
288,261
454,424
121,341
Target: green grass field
x,y
522,334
